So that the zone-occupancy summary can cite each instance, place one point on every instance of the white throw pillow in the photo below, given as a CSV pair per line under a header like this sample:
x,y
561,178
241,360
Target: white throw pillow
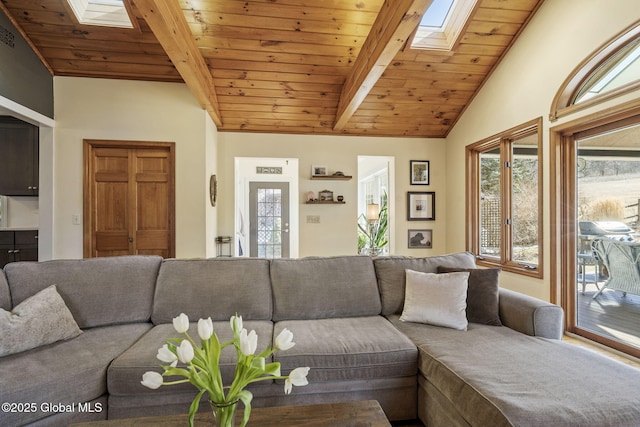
x,y
436,299
39,320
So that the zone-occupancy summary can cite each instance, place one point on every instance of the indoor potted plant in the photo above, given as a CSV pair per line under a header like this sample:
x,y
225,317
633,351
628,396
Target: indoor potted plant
x,y
372,230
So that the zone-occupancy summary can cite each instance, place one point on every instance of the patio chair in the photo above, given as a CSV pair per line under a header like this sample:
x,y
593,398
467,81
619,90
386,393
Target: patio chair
x,y
621,260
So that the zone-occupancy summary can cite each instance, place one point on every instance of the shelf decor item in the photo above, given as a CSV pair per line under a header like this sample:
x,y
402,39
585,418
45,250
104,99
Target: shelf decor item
x,y
419,172
325,196
319,170
421,205
202,367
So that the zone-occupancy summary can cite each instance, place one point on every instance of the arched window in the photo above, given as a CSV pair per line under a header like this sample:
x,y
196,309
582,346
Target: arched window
x,y
611,71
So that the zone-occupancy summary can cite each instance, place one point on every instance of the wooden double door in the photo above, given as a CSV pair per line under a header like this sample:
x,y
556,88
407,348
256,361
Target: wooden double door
x,y
129,198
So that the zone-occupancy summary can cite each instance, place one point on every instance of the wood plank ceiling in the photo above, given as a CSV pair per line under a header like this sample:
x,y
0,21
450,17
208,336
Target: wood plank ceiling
x,y
287,66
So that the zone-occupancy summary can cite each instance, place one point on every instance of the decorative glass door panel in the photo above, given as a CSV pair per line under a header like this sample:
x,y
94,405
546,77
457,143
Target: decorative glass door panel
x,y
269,219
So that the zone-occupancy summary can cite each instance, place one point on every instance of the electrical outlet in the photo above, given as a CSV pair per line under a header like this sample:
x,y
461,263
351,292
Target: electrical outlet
x,y
313,219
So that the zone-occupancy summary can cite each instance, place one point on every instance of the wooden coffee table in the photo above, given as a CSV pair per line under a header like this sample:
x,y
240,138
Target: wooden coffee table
x,y
346,414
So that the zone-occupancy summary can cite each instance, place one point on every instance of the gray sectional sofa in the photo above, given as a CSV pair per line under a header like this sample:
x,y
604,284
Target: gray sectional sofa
x,y
344,313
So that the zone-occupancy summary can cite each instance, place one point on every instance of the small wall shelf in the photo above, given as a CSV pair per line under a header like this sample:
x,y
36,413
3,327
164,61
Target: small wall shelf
x,y
332,177
325,202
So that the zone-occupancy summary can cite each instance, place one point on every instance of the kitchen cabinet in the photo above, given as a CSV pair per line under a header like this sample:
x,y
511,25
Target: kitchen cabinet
x,y
18,245
19,154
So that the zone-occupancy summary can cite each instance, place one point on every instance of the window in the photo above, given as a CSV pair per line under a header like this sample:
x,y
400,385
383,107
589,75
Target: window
x,y
442,24
504,200
104,13
610,72
620,69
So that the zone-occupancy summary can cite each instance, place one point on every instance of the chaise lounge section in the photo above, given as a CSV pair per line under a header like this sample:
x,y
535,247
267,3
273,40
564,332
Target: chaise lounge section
x,y
344,313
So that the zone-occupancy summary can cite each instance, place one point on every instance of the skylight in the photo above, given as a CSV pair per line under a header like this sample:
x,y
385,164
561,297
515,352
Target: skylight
x,y
442,24
437,13
105,13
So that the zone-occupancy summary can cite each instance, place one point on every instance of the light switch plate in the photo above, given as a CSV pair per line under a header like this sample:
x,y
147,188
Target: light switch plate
x,y
313,219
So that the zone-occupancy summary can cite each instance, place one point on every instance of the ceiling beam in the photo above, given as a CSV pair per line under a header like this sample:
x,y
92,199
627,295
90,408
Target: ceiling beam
x,y
393,26
169,25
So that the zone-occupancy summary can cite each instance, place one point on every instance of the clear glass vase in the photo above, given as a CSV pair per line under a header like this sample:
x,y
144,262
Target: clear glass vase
x,y
224,413
371,251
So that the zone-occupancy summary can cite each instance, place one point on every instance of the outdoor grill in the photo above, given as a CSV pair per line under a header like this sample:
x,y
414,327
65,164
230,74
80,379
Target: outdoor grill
x,y
611,229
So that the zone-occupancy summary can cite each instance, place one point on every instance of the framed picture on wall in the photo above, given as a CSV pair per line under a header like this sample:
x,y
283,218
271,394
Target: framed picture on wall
x,y
419,172
420,239
319,170
421,205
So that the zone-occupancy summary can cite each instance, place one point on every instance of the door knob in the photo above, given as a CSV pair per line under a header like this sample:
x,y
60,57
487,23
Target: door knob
x,y
130,239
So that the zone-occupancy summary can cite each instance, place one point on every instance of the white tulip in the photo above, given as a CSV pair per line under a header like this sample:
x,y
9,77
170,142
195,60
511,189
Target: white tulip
x,y
236,323
167,356
181,323
205,328
248,342
151,379
297,377
185,351
284,340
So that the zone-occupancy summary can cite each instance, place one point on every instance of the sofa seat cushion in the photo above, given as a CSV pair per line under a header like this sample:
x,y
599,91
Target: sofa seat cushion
x,y
125,373
499,377
347,349
66,372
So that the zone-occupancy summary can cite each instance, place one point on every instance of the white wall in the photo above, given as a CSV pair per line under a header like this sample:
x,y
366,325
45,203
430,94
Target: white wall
x,y
211,156
336,234
127,110
561,35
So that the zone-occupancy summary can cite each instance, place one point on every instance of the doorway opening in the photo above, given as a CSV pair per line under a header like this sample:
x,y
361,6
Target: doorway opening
x,y
608,193
596,200
376,207
266,207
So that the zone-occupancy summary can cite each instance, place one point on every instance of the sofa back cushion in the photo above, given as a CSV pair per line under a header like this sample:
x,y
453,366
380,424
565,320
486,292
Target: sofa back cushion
x,y
216,287
98,291
318,288
5,295
391,275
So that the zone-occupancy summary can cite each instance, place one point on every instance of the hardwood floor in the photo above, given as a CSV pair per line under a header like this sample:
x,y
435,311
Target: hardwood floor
x,y
579,341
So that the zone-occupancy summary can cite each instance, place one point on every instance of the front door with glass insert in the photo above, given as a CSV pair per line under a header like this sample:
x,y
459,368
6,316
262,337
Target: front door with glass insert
x,y
269,212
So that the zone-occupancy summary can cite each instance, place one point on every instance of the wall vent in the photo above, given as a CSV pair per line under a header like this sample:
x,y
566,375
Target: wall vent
x,y
7,37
